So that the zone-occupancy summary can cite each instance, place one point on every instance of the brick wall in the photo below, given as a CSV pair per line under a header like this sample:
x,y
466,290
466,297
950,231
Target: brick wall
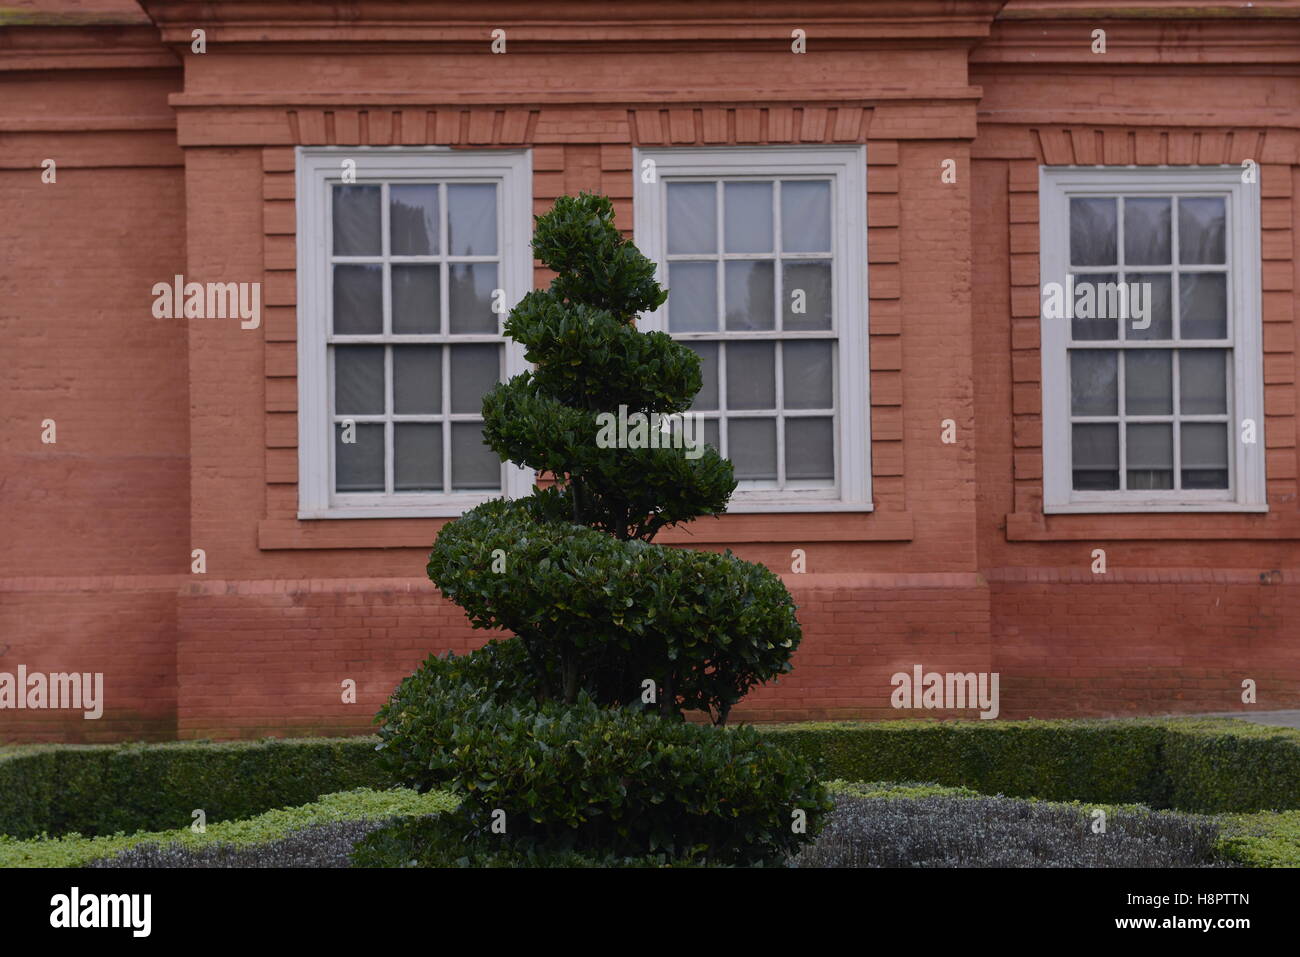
x,y
94,527
176,434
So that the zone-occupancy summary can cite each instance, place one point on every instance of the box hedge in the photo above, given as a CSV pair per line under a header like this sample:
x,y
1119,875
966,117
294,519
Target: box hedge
x,y
1205,765
262,831
104,789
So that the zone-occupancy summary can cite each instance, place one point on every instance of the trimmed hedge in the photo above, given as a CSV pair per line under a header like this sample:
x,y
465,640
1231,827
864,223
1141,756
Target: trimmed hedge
x,y
107,789
260,832
1216,768
1205,765
1267,839
1201,765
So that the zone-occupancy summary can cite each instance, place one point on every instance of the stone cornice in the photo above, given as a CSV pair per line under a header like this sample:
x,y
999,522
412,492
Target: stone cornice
x,y
1142,43
84,48
1150,10
672,24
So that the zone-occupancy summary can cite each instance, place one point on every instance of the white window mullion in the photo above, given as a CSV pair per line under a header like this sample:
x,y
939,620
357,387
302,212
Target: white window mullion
x,y
844,170
318,171
1246,489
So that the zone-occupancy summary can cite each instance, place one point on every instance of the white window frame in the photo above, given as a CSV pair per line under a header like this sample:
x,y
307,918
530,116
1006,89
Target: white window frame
x,y
1247,489
318,170
846,167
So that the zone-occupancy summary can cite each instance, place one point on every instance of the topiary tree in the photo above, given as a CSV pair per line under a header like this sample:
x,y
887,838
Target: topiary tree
x,y
571,570
548,727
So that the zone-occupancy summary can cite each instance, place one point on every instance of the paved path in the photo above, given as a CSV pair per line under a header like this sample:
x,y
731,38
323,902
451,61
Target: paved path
x,y
1281,719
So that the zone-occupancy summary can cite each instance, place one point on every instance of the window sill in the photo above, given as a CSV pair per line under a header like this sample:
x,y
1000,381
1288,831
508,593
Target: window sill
x,y
730,529
1152,508
1187,525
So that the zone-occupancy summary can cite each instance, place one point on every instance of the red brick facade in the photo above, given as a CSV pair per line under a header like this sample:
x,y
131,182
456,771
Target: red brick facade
x,y
174,435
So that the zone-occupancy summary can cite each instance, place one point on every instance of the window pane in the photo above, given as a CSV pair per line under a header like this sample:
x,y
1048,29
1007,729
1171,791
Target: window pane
x,y
1095,451
749,295
356,221
692,297
1205,455
472,219
806,296
1201,224
1150,451
1203,381
809,374
1203,305
415,299
417,380
358,300
413,219
474,370
1092,232
1150,303
751,446
359,465
692,218
747,217
469,298
809,450
1146,232
751,375
806,216
417,457
1094,320
1094,382
1148,382
707,398
474,466
712,433
358,380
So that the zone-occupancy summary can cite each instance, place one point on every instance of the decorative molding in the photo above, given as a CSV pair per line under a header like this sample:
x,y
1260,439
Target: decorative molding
x,y
277,534
630,24
478,126
750,124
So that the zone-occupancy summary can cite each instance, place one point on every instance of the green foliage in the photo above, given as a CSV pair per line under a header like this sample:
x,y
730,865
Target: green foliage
x,y
1220,766
442,842
1265,839
101,789
1193,765
894,789
601,615
75,850
602,781
105,789
595,264
588,358
598,609
629,493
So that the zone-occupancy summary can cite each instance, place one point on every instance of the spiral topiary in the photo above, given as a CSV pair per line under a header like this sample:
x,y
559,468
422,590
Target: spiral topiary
x,y
597,606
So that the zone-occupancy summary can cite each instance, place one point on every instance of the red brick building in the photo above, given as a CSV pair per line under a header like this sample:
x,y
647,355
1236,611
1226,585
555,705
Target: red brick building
x,y
858,206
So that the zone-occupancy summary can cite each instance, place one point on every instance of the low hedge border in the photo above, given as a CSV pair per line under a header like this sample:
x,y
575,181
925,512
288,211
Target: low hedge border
x,y
1213,765
74,850
1266,839
107,789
